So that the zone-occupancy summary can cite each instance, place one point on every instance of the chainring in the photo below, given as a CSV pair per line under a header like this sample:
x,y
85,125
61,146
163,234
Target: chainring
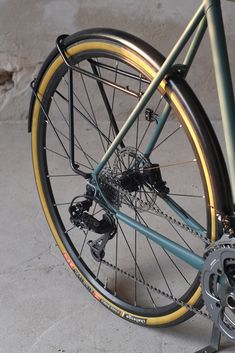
x,y
218,284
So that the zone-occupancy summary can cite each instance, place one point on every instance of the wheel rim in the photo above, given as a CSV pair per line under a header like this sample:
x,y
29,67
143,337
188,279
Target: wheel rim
x,y
147,308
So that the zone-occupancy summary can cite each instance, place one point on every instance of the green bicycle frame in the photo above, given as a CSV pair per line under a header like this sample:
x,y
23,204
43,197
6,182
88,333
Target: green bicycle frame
x,y
208,15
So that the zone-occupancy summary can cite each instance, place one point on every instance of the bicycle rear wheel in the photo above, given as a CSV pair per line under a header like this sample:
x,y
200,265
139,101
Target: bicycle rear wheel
x,y
190,177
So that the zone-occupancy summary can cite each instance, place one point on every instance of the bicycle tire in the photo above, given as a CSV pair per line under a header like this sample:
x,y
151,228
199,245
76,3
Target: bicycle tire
x,y
139,55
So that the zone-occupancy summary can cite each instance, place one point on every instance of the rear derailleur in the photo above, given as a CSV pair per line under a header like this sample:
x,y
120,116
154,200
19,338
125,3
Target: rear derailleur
x,y
80,217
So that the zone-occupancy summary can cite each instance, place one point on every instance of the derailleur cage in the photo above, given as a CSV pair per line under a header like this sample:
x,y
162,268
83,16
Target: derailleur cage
x,y
80,217
98,246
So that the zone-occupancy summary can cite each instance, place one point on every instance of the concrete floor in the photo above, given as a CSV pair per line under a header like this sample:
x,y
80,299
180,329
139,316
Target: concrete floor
x,y
44,308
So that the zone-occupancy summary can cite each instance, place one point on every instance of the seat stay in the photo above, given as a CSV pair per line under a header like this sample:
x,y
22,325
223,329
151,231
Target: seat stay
x,y
165,68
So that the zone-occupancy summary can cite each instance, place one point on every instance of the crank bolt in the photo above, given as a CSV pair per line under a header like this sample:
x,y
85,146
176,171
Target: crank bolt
x,y
231,301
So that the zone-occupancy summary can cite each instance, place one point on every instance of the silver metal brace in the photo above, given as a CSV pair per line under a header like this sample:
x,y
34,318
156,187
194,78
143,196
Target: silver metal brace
x,y
71,66
215,342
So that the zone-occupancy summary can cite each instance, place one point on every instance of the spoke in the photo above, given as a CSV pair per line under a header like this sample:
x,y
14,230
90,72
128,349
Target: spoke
x,y
188,195
109,109
133,163
95,121
76,139
135,303
147,192
181,237
79,101
62,204
111,128
80,164
132,255
173,262
171,165
68,230
98,271
67,138
135,261
84,242
157,167
144,134
86,154
147,195
116,264
137,128
107,106
121,164
48,120
57,135
85,118
167,254
165,139
95,213
105,99
58,154
94,126
147,128
112,125
60,175
158,263
160,267
184,215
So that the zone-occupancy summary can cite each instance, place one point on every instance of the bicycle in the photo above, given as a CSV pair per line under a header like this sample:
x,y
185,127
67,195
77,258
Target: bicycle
x,y
106,111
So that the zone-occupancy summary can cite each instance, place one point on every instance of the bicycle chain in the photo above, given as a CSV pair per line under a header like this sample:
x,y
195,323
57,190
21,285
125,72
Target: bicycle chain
x,y
114,183
157,290
162,293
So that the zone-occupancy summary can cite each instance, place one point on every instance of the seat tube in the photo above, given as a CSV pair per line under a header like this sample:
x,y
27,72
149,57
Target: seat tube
x,y
223,80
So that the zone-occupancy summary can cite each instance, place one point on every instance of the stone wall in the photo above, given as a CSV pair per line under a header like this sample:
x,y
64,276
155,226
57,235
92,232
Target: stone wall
x,y
28,29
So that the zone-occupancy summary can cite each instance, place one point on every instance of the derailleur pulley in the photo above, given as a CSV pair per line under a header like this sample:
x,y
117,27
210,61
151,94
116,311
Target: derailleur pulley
x,y
80,217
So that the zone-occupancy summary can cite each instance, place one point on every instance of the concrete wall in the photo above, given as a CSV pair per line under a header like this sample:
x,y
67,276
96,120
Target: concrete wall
x,y
28,29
